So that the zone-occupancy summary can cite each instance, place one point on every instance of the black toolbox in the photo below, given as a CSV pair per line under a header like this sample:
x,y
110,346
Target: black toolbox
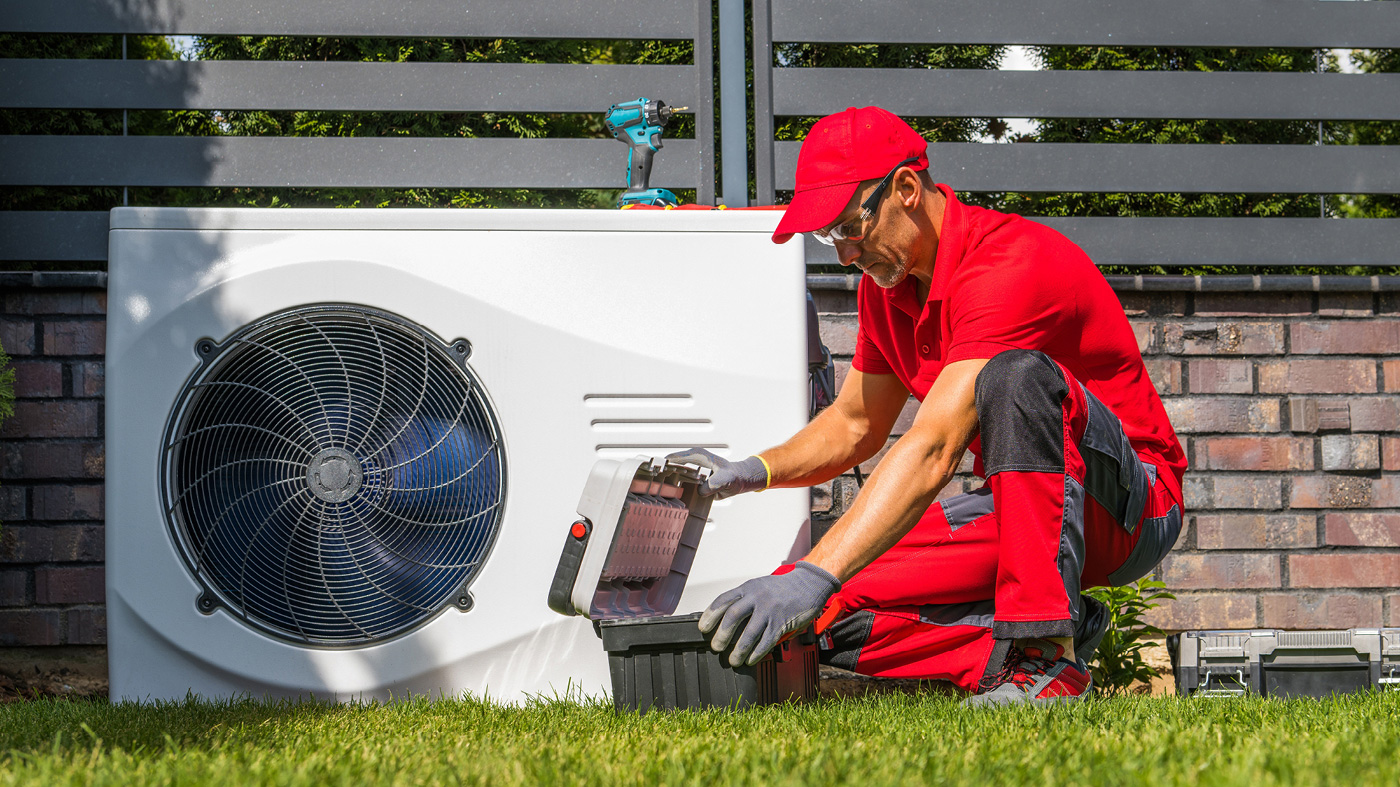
x,y
1276,663
624,565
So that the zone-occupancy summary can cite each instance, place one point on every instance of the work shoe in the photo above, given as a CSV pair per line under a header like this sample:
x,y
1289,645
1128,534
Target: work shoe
x,y
1035,674
1093,624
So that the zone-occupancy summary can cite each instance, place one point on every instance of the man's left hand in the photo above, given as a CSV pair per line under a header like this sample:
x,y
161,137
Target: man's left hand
x,y
760,612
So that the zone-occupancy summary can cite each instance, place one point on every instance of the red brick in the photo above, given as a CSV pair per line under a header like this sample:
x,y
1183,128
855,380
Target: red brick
x,y
87,626
1369,337
1318,376
1253,453
1375,414
1391,370
75,337
1319,610
1206,611
1146,335
53,419
32,302
1363,530
63,502
38,379
70,585
1343,570
1330,492
1243,304
1255,531
1393,603
13,503
89,378
14,588
1390,453
29,627
33,460
1225,492
842,367
1318,415
1225,338
1385,492
52,544
1165,375
1230,376
839,333
17,337
1197,415
1350,452
1345,304
1225,571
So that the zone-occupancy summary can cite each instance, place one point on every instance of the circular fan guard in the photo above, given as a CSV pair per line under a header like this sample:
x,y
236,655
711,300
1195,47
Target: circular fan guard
x,y
333,475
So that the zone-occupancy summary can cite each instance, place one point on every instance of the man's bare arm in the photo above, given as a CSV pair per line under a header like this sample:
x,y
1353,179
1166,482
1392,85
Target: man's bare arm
x,y
909,477
848,432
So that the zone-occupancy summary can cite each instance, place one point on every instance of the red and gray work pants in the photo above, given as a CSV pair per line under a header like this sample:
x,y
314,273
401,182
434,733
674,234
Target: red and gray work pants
x,y
1067,504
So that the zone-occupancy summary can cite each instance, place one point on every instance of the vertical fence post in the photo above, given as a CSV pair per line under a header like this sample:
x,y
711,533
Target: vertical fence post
x,y
733,105
763,101
705,103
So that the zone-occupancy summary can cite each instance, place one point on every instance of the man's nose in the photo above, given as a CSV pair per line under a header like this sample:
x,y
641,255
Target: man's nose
x,y
847,253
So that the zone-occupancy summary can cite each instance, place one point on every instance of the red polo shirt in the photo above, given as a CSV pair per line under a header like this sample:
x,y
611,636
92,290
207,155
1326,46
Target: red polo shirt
x,y
1002,282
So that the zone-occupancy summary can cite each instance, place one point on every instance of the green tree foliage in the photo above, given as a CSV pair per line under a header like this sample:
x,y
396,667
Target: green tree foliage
x,y
1119,664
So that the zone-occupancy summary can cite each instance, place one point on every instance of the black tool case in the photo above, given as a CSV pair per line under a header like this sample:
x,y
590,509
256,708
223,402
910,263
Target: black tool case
x,y
1285,663
624,565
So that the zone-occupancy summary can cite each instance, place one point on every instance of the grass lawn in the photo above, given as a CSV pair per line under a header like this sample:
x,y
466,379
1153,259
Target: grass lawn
x,y
879,739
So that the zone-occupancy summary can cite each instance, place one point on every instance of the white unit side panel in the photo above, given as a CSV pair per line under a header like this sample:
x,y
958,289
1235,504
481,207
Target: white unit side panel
x,y
586,343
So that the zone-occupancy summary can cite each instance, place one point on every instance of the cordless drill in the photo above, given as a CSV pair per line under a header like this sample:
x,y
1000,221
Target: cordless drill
x,y
639,124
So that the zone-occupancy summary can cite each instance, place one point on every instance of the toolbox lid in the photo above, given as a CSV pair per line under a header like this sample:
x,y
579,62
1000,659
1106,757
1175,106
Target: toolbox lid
x,y
629,553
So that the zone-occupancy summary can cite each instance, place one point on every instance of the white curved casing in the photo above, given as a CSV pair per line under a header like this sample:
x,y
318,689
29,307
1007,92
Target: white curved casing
x,y
594,333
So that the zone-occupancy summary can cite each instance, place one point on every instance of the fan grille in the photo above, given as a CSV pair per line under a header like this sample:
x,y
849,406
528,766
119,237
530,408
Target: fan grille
x,y
334,475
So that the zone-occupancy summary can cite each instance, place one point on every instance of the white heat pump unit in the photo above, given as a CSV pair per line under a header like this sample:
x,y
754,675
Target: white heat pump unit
x,y
345,448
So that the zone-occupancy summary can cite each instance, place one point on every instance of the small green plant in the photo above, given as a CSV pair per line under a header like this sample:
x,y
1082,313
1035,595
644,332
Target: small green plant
x,y
1119,664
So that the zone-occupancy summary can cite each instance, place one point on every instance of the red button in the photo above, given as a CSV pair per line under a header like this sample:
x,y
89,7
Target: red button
x,y
579,530
924,349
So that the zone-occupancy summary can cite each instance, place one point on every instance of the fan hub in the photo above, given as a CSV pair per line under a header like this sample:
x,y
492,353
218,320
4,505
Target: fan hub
x,y
334,475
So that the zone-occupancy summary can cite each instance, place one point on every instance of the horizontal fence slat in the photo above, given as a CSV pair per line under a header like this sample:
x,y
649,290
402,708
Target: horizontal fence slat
x,y
1088,94
388,162
1198,23
1036,166
402,87
624,19
1218,241
53,235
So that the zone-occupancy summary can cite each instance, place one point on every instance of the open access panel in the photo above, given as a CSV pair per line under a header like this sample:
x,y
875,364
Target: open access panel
x,y
625,562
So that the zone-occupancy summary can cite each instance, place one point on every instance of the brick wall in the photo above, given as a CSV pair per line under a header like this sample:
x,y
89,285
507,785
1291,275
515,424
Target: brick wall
x,y
51,468
1286,403
1287,406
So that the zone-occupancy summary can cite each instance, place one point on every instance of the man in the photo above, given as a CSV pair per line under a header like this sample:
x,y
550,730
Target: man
x,y
1018,350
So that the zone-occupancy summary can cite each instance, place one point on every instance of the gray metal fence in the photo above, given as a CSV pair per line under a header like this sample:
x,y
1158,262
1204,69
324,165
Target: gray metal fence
x,y
778,92
1067,167
342,162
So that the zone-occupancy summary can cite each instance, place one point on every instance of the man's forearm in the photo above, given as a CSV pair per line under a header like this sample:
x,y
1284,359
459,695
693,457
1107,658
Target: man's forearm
x,y
902,487
827,447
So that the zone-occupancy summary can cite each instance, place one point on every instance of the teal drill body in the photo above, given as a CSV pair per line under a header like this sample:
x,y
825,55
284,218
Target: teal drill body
x,y
639,124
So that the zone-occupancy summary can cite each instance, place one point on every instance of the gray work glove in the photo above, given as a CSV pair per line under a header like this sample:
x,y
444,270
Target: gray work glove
x,y
726,478
764,610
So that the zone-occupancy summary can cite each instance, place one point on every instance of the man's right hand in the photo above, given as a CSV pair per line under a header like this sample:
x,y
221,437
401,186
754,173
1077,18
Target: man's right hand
x,y
726,478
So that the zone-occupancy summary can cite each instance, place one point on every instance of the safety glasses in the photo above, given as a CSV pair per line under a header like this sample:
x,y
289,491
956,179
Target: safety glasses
x,y
854,230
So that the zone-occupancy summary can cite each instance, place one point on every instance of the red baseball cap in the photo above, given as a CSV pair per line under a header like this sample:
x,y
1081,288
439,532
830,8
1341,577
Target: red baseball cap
x,y
840,151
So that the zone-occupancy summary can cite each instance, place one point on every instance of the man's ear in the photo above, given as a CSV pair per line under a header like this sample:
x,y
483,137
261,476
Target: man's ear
x,y
908,189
